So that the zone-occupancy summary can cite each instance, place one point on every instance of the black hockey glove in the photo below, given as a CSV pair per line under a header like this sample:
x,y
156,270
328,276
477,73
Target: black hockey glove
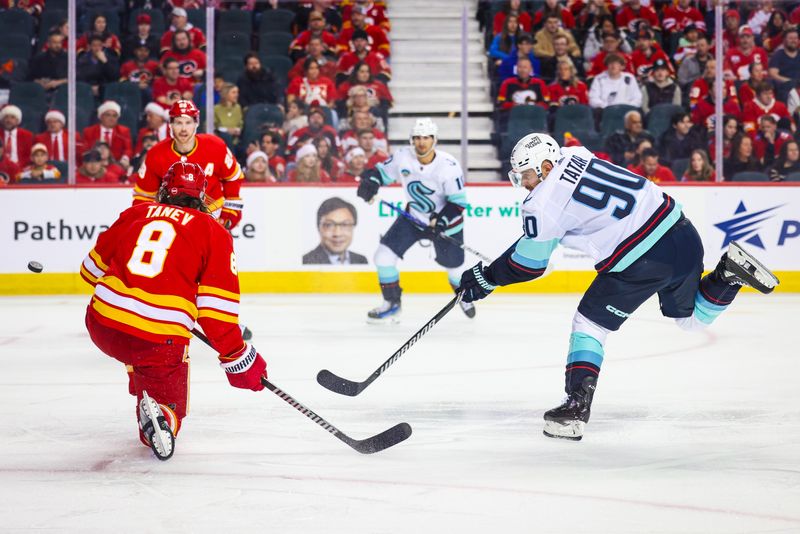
x,y
474,284
369,185
439,225
442,220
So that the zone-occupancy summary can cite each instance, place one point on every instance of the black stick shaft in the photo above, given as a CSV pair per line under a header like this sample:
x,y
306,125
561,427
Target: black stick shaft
x,y
376,443
441,235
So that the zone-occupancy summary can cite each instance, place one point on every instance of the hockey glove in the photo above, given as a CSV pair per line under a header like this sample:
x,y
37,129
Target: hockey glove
x,y
474,284
245,368
231,213
369,185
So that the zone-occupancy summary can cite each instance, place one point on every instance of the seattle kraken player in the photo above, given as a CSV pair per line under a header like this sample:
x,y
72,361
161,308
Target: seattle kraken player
x,y
641,242
434,185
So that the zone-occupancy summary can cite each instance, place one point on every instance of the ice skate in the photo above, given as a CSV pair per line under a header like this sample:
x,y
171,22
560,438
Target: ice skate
x,y
737,266
155,428
467,307
388,312
568,420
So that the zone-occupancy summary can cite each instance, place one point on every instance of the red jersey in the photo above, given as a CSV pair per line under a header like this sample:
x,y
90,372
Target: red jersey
x,y
376,91
677,18
376,61
160,268
322,90
699,90
327,68
173,91
629,18
562,95
662,174
760,143
737,63
8,170
499,22
567,20
277,164
375,15
210,152
196,36
643,64
131,71
703,112
516,92
348,178
599,63
188,62
375,36
375,158
300,42
754,110
324,177
349,140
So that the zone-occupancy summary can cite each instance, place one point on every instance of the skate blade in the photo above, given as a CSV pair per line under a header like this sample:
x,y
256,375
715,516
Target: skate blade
x,y
766,281
162,441
391,319
469,312
572,431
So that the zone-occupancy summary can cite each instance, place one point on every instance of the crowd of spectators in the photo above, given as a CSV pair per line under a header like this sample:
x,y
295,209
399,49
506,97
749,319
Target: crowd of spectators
x,y
644,71
300,88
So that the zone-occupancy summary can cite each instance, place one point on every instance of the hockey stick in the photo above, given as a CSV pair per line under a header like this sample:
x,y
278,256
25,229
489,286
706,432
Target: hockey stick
x,y
441,235
344,386
377,443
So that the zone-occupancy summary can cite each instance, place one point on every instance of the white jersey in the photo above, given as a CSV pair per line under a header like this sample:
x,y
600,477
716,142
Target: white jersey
x,y
594,206
428,187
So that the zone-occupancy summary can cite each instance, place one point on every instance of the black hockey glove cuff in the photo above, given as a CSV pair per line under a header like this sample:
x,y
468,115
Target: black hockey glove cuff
x,y
449,213
475,285
369,185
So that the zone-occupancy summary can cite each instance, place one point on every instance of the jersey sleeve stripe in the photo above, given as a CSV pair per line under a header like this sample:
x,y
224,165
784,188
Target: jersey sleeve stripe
x,y
235,175
131,319
164,301
143,192
214,303
524,269
532,250
141,309
459,198
212,314
215,291
86,275
98,260
385,178
90,266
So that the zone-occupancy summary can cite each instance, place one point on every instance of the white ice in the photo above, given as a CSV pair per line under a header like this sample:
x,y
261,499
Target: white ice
x,y
689,432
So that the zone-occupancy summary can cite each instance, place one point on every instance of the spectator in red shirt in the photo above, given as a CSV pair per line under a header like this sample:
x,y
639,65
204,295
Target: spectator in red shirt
x,y
377,37
271,144
644,56
378,94
764,104
308,167
553,7
327,157
739,58
730,128
676,18
108,130
8,169
362,120
362,54
366,141
316,128
356,161
768,141
156,123
17,141
93,171
140,70
634,13
375,13
652,170
772,36
180,21
316,28
699,88
611,45
100,29
191,61
731,20
56,137
314,50
567,89
257,168
523,89
172,86
312,87
703,113
512,7
700,168
747,91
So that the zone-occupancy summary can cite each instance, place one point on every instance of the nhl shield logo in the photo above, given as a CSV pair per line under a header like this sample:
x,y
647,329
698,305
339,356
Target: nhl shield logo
x,y
405,172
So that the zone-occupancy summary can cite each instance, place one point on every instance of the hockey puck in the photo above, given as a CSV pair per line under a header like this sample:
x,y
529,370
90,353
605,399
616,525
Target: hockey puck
x,y
35,266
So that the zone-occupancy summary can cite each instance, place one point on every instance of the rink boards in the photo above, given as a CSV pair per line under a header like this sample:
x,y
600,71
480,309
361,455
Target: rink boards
x,y
58,226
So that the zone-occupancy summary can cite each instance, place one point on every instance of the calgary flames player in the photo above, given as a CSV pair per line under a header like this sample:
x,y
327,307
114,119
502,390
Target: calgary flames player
x,y
208,151
159,268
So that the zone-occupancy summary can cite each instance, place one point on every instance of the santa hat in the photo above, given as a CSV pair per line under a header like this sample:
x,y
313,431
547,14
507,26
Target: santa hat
x,y
109,105
357,151
306,150
255,155
155,109
54,114
12,110
40,147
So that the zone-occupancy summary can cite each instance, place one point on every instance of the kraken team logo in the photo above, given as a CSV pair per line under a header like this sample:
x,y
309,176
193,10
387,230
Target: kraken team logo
x,y
744,226
419,193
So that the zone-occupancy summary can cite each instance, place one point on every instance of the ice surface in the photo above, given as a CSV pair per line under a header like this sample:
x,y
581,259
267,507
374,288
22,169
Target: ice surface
x,y
689,432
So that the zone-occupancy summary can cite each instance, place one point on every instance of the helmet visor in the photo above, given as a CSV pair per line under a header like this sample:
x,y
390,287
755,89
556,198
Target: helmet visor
x,y
515,178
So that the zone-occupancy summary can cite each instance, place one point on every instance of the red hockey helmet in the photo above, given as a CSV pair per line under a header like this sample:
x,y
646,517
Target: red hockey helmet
x,y
184,178
184,108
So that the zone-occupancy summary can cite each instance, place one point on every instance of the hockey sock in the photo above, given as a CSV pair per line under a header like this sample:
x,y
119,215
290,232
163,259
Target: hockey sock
x,y
454,276
584,359
713,296
391,291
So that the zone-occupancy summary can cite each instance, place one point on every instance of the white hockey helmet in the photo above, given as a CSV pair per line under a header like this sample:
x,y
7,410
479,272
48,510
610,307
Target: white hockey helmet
x,y
529,153
424,127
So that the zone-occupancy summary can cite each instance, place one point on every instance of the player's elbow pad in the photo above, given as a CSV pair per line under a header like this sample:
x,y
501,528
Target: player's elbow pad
x,y
373,175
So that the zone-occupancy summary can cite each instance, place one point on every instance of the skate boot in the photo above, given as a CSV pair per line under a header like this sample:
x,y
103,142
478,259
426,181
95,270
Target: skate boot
x,y
737,266
388,312
567,421
467,307
155,428
247,334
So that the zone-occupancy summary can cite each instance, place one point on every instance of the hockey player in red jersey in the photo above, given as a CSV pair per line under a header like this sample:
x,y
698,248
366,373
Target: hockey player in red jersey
x,y
209,151
161,267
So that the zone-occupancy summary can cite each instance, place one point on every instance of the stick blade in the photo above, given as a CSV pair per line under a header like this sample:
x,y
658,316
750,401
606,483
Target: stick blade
x,y
384,440
338,384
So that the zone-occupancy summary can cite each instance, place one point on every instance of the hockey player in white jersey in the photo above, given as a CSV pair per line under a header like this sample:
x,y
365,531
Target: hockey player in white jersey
x,y
641,243
434,185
